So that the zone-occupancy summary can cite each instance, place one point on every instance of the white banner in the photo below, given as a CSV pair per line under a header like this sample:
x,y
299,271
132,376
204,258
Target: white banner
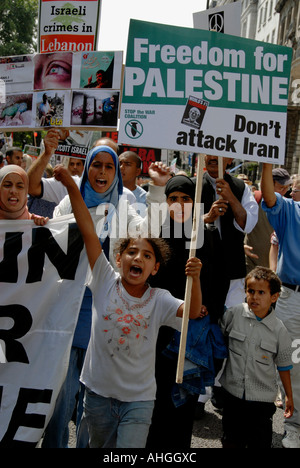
x,y
42,281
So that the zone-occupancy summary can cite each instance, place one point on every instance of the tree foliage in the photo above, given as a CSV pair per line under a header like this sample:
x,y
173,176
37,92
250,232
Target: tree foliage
x,y
18,27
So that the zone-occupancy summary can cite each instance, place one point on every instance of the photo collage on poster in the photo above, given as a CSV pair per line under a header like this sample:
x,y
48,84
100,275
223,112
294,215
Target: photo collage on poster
x,y
60,89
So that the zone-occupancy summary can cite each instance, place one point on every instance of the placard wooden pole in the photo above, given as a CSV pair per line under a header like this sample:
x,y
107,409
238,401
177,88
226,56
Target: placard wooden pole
x,y
220,172
220,168
188,287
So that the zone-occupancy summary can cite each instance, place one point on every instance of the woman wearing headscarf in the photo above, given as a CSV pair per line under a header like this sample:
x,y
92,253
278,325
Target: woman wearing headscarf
x,y
100,184
14,193
174,410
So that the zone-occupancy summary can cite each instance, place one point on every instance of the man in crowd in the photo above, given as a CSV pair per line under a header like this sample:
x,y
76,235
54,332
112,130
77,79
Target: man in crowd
x,y
130,164
14,155
229,207
257,242
284,215
75,166
282,180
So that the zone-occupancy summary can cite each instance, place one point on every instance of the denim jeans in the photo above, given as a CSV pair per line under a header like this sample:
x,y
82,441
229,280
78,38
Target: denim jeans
x,y
116,424
71,394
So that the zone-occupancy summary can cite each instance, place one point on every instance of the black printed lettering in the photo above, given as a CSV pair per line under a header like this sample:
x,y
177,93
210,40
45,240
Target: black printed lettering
x,y
44,243
9,265
14,351
20,418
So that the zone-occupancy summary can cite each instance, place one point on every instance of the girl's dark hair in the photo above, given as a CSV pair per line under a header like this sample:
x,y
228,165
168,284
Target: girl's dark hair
x,y
266,274
160,247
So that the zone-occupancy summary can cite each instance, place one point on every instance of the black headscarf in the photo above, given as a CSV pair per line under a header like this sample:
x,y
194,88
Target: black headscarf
x,y
180,183
172,276
177,235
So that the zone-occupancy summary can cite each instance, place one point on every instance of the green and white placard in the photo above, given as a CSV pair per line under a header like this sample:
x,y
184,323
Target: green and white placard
x,y
201,91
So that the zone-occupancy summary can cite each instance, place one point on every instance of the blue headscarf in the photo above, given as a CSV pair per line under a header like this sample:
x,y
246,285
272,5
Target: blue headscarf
x,y
111,196
115,190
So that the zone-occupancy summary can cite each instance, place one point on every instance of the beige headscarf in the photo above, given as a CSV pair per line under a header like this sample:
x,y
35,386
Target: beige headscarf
x,y
23,213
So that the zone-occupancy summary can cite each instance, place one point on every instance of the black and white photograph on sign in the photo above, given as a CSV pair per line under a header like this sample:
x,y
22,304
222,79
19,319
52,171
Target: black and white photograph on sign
x,y
50,108
53,71
16,72
78,137
17,110
95,108
74,144
194,112
97,70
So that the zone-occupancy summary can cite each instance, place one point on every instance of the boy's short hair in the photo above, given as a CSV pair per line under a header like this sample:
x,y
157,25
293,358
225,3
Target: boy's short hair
x,y
10,151
160,247
266,274
135,156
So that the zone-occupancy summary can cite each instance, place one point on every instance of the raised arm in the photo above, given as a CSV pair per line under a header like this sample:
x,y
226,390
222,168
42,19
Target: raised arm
x,y
267,185
156,206
82,215
193,269
36,170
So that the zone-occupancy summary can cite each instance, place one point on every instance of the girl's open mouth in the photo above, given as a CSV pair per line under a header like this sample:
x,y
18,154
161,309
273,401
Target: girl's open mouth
x,y
101,182
135,271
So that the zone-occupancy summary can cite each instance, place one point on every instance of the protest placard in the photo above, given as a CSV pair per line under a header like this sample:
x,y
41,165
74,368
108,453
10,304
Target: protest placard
x,y
68,26
224,19
205,92
61,89
16,73
74,145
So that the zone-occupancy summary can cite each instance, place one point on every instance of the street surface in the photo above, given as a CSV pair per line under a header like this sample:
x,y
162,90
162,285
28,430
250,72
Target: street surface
x,y
208,430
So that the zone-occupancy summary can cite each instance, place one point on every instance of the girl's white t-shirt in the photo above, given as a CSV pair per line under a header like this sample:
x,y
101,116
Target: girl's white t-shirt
x,y
120,359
